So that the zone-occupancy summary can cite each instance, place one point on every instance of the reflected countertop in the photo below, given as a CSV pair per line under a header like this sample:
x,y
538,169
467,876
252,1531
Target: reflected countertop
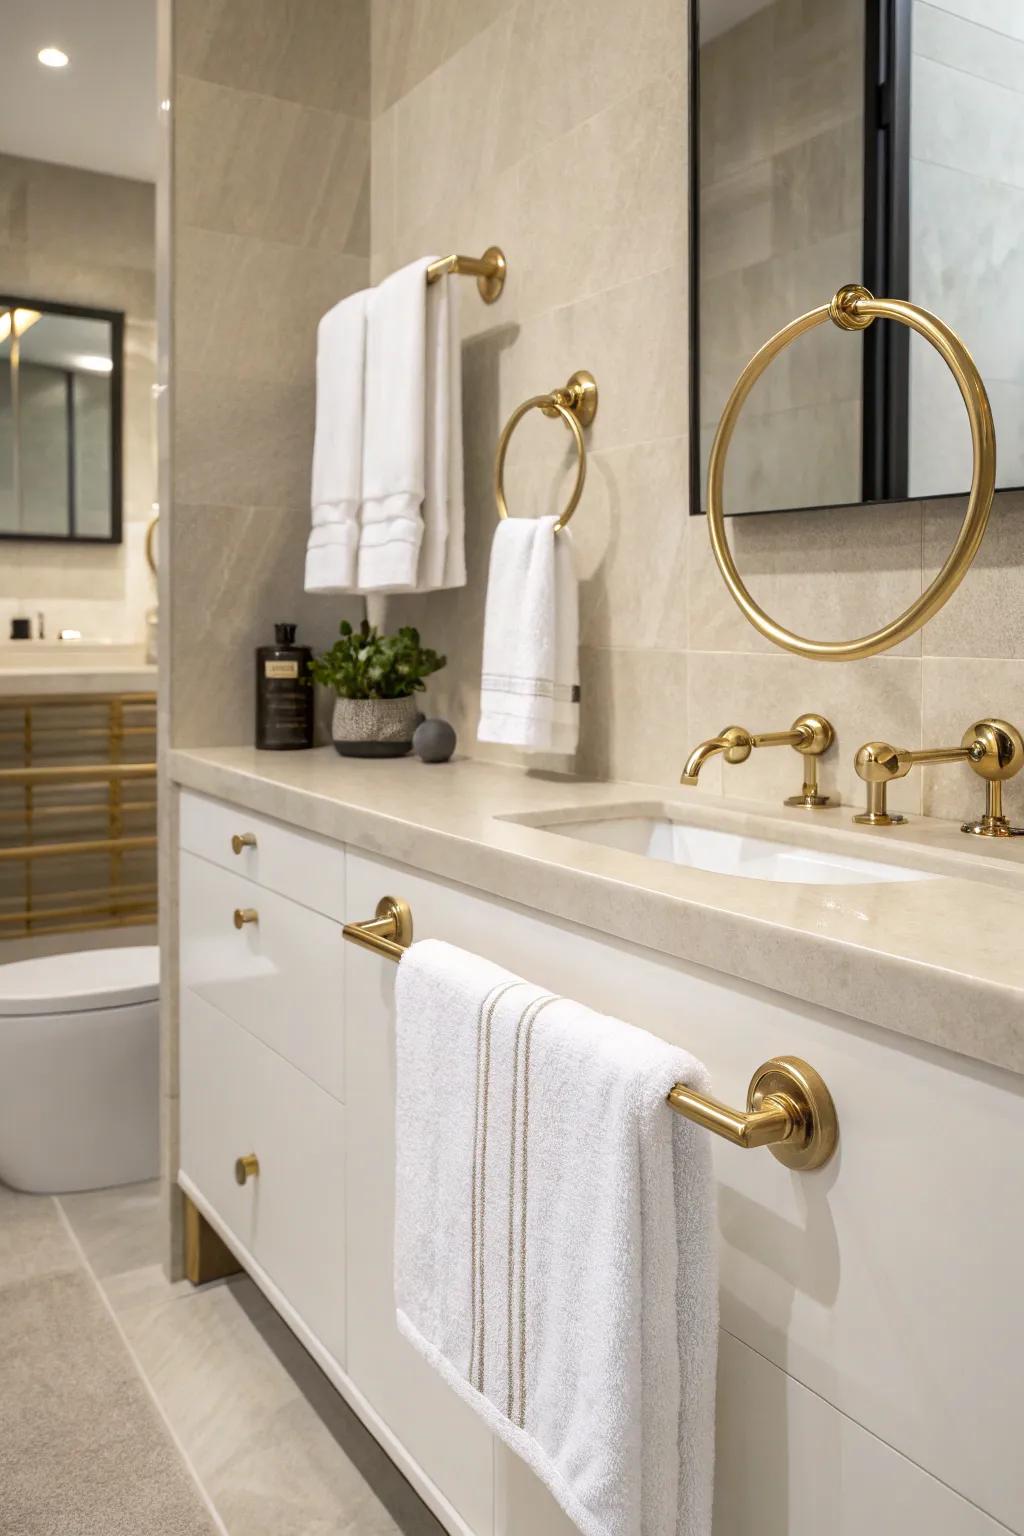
x,y
939,959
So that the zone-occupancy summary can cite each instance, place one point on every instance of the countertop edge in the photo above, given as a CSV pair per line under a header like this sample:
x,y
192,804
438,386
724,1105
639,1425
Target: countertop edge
x,y
893,992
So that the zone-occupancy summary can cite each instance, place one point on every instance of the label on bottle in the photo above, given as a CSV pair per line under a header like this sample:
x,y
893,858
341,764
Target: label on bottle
x,y
281,668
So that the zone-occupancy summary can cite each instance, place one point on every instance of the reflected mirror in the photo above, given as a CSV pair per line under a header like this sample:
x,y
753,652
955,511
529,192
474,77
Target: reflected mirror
x,y
871,141
60,421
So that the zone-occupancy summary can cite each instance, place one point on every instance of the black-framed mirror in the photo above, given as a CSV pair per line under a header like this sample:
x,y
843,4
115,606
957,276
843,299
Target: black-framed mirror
x,y
836,141
61,385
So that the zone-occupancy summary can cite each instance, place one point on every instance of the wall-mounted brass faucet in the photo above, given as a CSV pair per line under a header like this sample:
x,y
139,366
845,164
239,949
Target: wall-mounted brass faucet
x,y
810,735
993,749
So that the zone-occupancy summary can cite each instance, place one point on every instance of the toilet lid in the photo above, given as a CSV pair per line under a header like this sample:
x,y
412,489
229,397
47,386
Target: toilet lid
x,y
89,978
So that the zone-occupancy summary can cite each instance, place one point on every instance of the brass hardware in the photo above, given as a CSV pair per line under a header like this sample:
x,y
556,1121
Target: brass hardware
x,y
489,270
245,915
789,1108
854,308
66,796
388,933
246,1168
993,748
243,840
151,545
207,1256
810,735
577,406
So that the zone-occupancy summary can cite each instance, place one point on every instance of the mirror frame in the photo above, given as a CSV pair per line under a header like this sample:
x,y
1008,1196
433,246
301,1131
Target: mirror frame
x,y
885,265
115,318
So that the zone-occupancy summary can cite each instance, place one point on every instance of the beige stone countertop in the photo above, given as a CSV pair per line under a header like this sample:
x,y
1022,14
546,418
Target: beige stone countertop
x,y
940,959
41,681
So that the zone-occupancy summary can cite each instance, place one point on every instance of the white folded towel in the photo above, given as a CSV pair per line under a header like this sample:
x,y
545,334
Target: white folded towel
x,y
555,1242
530,684
412,516
337,447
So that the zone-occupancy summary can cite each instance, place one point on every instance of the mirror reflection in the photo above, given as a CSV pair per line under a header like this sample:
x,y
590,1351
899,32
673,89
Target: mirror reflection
x,y
873,141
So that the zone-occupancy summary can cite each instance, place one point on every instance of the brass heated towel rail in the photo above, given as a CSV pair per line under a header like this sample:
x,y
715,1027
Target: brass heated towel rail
x,y
789,1108
77,813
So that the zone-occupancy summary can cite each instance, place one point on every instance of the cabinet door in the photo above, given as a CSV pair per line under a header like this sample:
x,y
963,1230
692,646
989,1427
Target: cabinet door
x,y
887,1283
239,1098
448,1441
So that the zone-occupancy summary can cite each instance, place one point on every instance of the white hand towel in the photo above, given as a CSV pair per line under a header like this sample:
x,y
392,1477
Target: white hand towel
x,y
530,685
412,535
337,481
555,1242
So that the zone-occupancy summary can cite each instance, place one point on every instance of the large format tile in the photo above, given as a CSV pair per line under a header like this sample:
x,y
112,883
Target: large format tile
x,y
33,1242
829,575
633,714
256,165
242,442
311,51
120,1230
984,617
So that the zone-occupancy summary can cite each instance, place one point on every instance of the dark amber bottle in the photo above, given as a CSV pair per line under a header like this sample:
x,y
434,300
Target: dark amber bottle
x,y
284,693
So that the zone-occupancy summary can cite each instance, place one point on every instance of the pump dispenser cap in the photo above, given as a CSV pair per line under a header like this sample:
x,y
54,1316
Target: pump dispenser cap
x,y
284,634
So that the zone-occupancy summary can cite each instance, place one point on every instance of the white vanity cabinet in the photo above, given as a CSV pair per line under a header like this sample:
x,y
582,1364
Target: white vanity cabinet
x,y
872,1334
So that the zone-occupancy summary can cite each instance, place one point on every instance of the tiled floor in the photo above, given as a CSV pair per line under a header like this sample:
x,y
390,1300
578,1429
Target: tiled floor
x,y
276,1449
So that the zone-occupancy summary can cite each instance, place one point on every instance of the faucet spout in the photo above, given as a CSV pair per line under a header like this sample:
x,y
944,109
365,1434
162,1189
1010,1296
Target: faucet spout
x,y
699,756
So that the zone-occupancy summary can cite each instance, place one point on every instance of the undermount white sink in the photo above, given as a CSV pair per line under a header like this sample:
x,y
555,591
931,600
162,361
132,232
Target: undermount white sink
x,y
731,853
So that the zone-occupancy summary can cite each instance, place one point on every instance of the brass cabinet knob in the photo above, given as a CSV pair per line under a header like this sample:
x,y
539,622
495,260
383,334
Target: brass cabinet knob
x,y
245,915
246,1168
243,840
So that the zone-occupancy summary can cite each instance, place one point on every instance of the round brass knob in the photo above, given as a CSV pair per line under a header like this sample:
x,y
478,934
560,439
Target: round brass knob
x,y
245,915
1003,754
246,1168
243,840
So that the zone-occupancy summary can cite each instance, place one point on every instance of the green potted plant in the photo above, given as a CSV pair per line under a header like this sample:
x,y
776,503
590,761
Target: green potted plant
x,y
376,679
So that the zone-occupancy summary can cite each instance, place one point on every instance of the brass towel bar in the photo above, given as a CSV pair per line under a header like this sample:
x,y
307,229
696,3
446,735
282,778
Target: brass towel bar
x,y
789,1108
488,269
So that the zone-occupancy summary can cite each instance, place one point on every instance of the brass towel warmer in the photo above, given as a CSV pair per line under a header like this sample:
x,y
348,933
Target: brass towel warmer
x,y
789,1108
34,727
576,403
853,309
488,269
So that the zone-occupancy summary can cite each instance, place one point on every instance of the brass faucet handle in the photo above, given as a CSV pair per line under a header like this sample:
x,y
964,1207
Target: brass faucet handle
x,y
739,743
878,763
1000,758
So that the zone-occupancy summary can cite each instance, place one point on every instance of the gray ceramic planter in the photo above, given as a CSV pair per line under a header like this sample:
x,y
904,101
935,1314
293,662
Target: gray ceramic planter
x,y
374,727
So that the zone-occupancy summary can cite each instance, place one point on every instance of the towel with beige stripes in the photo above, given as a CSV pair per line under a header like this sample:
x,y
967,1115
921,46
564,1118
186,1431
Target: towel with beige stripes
x,y
555,1245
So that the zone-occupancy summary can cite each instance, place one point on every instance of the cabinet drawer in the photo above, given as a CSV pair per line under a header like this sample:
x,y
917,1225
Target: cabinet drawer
x,y
307,868
237,1099
279,976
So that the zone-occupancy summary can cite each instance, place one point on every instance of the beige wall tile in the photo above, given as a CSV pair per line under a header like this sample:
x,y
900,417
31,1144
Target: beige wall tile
x,y
633,714
237,574
310,51
879,699
827,575
985,616
958,692
256,165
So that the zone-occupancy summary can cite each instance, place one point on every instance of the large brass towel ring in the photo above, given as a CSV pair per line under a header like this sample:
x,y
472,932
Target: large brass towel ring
x,y
853,309
577,406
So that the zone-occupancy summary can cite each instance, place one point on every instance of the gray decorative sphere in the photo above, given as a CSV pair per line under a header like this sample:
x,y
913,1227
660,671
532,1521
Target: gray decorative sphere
x,y
434,741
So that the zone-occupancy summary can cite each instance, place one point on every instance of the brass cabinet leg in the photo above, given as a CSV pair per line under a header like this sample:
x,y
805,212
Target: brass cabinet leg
x,y
207,1256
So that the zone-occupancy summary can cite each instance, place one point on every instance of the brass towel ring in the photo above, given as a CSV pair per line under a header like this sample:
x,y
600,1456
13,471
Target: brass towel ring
x,y
577,406
853,309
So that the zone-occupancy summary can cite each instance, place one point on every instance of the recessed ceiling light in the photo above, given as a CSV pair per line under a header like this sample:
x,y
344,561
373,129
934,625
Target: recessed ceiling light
x,y
94,364
53,58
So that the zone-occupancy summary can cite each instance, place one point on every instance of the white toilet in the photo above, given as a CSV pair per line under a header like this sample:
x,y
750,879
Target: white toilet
x,y
80,1070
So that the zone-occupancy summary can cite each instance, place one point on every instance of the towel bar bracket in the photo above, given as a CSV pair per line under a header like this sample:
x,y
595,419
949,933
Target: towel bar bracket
x,y
388,933
789,1110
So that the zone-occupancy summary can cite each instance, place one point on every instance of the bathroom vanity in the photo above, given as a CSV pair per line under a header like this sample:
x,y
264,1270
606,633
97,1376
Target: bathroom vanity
x,y
872,1338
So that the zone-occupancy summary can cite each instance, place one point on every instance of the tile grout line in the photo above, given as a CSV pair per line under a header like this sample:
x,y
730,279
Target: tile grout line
x,y
189,1465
